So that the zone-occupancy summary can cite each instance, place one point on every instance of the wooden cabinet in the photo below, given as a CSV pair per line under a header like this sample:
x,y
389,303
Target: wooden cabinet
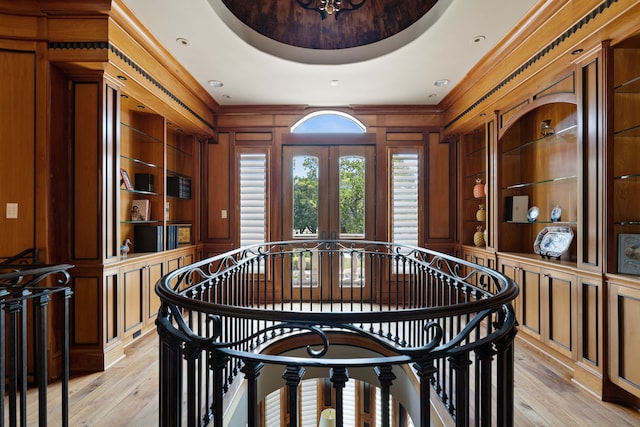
x,y
546,307
140,303
624,338
538,167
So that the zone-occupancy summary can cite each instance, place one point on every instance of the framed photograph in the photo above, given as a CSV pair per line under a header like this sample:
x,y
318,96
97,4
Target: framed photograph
x,y
629,253
124,179
184,234
140,210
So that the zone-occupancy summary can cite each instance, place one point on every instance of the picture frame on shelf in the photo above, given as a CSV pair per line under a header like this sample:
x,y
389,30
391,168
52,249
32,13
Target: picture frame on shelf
x,y
125,179
184,234
140,210
629,253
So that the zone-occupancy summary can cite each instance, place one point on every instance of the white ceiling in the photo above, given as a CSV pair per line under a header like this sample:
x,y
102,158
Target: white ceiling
x,y
440,46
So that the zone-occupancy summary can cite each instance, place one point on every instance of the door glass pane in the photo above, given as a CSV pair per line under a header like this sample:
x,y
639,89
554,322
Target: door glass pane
x,y
305,197
352,197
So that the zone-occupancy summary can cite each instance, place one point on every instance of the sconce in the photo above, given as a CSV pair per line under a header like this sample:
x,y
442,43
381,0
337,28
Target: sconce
x,y
545,128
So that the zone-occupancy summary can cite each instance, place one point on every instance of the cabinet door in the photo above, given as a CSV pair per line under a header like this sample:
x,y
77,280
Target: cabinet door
x,y
154,272
624,338
510,269
530,299
559,308
133,283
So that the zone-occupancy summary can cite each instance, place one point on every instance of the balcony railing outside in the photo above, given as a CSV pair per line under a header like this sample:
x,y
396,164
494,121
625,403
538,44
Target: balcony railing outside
x,y
449,320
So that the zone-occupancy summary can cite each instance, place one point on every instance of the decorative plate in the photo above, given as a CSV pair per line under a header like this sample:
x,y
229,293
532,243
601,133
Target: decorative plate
x,y
556,213
532,213
553,241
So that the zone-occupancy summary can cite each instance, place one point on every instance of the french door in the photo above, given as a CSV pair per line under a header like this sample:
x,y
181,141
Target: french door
x,y
328,193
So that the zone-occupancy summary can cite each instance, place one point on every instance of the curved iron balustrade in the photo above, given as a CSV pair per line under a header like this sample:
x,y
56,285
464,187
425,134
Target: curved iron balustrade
x,y
27,292
449,320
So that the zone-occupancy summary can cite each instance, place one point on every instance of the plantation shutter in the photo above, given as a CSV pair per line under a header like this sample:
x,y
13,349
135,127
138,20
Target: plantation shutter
x,y
308,403
253,198
349,403
404,177
272,409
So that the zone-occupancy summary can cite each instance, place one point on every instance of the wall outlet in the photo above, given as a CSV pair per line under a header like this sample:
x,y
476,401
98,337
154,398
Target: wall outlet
x,y
223,214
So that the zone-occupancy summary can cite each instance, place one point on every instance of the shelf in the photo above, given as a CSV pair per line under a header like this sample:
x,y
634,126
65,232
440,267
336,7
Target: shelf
x,y
141,162
543,222
632,132
630,177
147,193
140,222
559,135
144,137
631,86
535,183
627,222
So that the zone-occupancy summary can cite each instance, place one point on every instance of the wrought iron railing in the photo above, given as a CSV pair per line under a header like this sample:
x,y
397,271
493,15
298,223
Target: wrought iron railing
x,y
26,294
448,322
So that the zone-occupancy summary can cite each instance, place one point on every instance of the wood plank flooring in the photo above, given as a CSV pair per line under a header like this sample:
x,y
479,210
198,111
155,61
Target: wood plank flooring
x,y
126,394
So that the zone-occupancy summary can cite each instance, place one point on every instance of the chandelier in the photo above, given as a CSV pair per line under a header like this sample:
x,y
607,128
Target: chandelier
x,y
330,7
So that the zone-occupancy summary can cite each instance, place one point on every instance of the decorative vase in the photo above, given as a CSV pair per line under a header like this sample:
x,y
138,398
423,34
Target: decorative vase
x,y
478,189
478,237
481,213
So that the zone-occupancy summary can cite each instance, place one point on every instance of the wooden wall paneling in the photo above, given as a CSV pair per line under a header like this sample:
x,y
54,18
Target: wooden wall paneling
x,y
111,302
18,150
111,171
439,201
590,338
86,166
591,154
218,189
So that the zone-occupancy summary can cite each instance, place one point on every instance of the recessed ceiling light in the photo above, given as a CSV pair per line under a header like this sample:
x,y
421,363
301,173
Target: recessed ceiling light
x,y
123,78
142,107
226,96
441,82
335,82
124,96
215,83
479,38
183,41
577,52
431,95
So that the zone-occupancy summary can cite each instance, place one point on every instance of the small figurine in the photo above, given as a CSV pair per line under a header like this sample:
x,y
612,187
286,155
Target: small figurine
x,y
124,249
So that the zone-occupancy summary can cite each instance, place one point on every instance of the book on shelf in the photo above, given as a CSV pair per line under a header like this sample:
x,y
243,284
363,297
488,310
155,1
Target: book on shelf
x,y
140,210
179,186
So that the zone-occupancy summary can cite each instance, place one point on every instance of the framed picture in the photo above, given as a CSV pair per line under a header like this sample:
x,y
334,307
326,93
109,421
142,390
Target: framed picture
x,y
124,179
629,253
140,210
184,234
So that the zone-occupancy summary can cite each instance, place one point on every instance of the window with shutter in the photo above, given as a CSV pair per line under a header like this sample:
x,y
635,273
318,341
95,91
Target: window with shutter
x,y
404,198
253,198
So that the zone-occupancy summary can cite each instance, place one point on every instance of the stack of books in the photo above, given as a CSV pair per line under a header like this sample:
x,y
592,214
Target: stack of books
x,y
179,186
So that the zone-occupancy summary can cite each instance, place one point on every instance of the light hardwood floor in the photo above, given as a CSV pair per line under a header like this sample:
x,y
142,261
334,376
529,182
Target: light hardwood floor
x,y
126,394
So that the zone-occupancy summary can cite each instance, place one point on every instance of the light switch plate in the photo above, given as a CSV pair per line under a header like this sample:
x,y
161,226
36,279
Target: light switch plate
x,y
12,211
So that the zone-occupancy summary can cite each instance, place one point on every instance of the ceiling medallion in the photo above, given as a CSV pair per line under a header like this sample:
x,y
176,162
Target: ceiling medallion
x,y
329,7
